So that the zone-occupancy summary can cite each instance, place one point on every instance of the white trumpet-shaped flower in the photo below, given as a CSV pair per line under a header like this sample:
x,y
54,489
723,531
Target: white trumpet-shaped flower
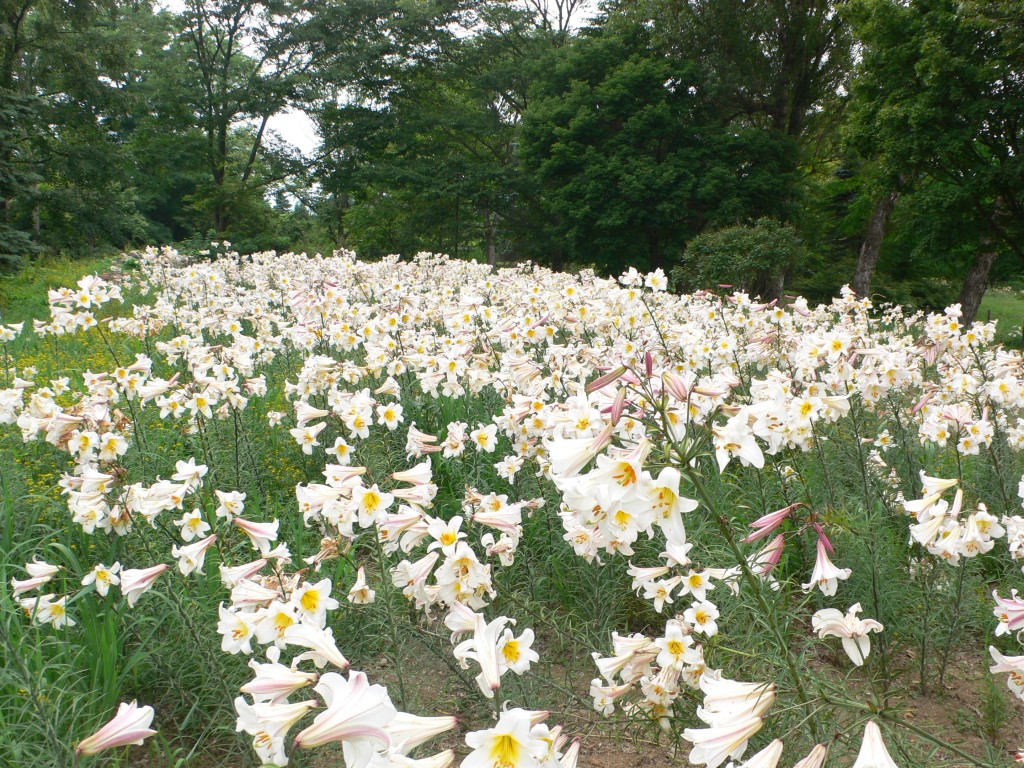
x,y
357,715
509,744
826,575
873,753
829,622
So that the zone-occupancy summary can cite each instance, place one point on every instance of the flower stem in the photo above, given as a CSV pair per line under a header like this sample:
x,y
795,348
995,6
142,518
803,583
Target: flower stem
x,y
755,585
953,623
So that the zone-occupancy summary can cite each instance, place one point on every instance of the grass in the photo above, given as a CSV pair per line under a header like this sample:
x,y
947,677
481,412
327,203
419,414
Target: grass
x,y
1007,306
23,293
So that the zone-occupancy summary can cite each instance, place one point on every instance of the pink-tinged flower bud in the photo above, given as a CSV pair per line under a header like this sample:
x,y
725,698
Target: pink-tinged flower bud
x,y
135,581
27,585
603,381
823,539
676,386
418,475
570,758
873,753
630,378
260,534
764,525
769,557
410,731
815,759
712,746
767,758
649,363
604,437
930,354
357,714
230,576
129,726
618,405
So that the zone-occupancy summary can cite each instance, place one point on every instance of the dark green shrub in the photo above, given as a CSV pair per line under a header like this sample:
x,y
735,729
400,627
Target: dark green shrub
x,y
757,258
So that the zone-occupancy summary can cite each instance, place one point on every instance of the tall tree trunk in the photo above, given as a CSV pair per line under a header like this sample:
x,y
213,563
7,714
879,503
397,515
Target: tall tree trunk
x,y
872,247
767,284
220,213
492,251
342,201
654,248
458,226
976,280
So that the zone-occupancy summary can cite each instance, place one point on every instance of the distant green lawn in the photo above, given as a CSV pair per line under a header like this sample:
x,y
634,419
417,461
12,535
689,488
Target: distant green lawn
x,y
23,294
1007,306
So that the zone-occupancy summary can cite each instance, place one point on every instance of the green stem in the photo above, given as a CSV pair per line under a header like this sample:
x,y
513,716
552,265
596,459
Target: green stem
x,y
953,623
392,623
926,612
891,716
755,586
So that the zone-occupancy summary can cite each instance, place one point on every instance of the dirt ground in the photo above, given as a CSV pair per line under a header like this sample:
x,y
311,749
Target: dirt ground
x,y
968,711
956,713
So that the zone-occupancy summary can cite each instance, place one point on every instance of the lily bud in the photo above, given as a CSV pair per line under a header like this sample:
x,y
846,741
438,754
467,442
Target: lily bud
x,y
618,406
815,759
129,726
603,381
676,386
764,525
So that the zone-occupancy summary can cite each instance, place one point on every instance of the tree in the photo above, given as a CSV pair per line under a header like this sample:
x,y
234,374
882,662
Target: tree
x,y
773,65
419,119
557,16
871,249
755,258
27,29
937,100
17,174
635,155
249,58
777,63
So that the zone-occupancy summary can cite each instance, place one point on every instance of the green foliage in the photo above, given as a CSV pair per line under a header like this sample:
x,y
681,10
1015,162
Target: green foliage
x,y
916,293
489,131
935,102
780,65
755,258
426,159
116,129
633,156
17,176
23,293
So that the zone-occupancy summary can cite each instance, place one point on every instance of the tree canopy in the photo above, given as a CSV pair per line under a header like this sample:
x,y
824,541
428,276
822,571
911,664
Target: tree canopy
x,y
884,135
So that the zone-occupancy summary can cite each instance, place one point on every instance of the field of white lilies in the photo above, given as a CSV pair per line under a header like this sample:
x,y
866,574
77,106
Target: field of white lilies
x,y
314,511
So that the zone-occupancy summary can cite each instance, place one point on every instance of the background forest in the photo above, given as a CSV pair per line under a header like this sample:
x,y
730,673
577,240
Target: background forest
x,y
770,144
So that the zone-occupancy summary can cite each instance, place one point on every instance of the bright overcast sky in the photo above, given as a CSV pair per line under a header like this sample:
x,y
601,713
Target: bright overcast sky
x,y
297,129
